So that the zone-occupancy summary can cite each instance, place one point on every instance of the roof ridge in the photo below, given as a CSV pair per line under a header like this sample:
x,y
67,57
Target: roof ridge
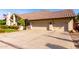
x,y
48,11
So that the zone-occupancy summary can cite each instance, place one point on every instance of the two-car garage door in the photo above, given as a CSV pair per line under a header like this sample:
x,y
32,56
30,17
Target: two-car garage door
x,y
39,25
58,25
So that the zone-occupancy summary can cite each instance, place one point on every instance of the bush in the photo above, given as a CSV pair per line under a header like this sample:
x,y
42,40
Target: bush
x,y
13,27
4,27
2,30
7,30
70,31
21,22
8,27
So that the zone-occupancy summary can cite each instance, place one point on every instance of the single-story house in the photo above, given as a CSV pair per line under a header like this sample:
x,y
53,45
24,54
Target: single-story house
x,y
60,20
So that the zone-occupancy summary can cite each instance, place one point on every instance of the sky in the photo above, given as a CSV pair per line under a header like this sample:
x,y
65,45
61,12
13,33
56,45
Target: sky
x,y
21,11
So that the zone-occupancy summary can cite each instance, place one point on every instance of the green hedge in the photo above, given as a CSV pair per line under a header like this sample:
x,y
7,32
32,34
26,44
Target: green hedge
x,y
8,27
13,27
7,30
4,26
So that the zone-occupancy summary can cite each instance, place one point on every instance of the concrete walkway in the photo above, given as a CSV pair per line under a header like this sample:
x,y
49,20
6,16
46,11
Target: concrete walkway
x,y
36,39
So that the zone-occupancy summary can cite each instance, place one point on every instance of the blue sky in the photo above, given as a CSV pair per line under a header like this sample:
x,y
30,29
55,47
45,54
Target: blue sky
x,y
21,11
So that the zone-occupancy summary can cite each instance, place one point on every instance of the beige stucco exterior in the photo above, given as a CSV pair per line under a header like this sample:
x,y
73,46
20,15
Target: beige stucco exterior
x,y
59,25
70,25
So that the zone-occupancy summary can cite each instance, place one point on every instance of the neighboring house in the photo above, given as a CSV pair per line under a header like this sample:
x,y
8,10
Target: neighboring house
x,y
11,19
58,21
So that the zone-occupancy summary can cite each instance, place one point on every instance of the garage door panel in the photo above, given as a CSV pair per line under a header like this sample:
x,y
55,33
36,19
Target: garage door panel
x,y
40,25
60,25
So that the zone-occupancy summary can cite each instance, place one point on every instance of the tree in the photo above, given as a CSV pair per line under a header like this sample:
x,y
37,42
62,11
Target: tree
x,y
78,17
21,22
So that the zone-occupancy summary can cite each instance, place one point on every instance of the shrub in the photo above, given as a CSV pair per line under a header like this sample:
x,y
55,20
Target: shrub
x,y
13,27
2,30
3,26
9,30
21,22
70,31
8,27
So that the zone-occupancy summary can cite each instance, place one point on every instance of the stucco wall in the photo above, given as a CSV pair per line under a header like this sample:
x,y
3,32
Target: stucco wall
x,y
70,24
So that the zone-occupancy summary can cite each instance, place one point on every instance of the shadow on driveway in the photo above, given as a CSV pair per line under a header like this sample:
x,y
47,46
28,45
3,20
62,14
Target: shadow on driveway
x,y
52,46
59,38
10,44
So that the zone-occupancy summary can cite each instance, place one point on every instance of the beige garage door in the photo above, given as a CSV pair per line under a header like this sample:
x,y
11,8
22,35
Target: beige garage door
x,y
60,25
39,25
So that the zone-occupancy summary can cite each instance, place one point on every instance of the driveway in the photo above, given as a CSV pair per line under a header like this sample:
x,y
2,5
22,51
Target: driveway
x,y
75,38
34,39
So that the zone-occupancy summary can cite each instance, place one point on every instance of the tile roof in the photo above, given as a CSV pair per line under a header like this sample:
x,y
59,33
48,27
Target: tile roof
x,y
48,14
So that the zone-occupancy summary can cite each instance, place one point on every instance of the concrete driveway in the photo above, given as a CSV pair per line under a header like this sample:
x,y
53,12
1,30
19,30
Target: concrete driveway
x,y
36,39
